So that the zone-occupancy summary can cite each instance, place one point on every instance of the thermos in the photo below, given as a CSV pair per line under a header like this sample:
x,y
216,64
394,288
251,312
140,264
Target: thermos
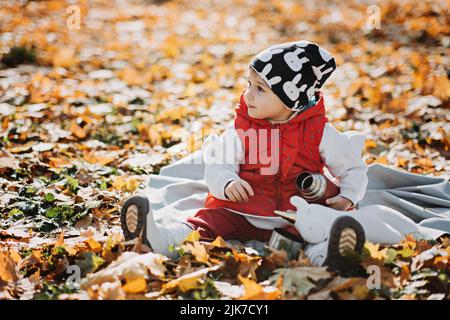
x,y
282,239
315,187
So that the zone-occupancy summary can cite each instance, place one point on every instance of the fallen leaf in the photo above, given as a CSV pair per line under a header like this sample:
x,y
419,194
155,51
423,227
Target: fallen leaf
x,y
135,286
64,58
255,291
374,250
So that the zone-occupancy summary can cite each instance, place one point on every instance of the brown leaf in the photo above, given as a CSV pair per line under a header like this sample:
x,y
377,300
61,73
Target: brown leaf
x,y
9,266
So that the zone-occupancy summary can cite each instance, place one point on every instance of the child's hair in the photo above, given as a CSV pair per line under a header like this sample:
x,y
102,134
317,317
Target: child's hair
x,y
294,71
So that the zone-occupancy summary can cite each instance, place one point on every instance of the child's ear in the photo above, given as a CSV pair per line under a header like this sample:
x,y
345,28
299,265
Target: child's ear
x,y
298,202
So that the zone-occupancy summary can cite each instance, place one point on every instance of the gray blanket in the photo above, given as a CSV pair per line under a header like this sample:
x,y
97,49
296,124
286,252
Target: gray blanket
x,y
179,191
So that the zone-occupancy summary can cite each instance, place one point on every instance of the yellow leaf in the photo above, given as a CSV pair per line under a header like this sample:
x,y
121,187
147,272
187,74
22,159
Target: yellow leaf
x,y
197,250
70,250
170,46
406,252
193,236
370,144
150,134
189,284
251,287
219,242
132,77
375,252
184,283
135,286
129,185
189,281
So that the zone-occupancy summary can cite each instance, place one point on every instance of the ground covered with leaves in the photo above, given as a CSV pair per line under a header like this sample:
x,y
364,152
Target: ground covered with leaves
x,y
89,106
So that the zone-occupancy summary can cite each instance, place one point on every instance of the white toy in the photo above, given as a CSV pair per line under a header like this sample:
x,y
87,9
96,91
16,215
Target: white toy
x,y
331,234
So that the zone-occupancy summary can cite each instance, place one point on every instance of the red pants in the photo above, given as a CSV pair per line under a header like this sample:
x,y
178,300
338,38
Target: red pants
x,y
212,223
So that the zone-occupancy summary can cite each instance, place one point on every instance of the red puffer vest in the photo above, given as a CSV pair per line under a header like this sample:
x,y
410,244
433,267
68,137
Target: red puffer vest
x,y
299,141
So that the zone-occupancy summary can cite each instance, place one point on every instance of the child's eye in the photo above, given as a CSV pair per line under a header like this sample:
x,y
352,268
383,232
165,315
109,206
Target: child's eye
x,y
259,88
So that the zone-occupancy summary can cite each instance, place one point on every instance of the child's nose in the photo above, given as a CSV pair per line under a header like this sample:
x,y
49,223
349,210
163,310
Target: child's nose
x,y
249,94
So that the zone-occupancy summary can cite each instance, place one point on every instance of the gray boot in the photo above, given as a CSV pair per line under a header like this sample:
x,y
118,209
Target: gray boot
x,y
346,237
136,218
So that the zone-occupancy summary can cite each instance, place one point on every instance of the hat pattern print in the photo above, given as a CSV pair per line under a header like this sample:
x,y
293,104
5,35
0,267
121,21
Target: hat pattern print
x,y
294,71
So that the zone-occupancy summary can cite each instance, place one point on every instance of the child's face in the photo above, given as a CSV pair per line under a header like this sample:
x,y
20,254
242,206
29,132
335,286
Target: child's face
x,y
262,103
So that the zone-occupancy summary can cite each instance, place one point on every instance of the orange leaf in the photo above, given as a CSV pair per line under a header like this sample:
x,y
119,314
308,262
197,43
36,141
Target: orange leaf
x,y
58,162
77,130
8,268
94,245
370,144
405,273
91,157
60,240
401,162
64,57
382,160
254,291
135,286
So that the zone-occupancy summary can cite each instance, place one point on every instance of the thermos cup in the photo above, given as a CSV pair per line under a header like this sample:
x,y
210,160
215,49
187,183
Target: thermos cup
x,y
315,187
282,239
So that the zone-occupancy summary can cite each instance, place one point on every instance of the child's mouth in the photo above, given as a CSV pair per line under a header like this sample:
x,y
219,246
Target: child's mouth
x,y
252,107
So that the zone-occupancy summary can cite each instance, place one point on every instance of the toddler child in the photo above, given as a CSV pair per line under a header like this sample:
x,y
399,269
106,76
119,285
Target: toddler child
x,y
279,131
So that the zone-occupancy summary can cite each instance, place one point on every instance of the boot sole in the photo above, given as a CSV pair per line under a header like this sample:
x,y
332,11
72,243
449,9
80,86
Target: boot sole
x,y
133,217
346,237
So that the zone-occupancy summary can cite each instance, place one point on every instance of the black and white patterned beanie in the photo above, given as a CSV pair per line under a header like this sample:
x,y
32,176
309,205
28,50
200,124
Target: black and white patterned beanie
x,y
295,71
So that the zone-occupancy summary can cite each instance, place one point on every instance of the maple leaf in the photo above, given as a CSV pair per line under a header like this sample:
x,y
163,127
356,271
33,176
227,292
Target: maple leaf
x,y
197,250
255,291
375,252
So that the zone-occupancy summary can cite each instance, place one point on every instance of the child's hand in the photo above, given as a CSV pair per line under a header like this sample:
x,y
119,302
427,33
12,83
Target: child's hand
x,y
237,191
339,203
